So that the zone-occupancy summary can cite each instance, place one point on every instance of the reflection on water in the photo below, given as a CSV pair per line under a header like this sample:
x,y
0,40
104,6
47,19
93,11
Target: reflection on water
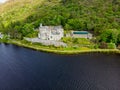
x,y
25,69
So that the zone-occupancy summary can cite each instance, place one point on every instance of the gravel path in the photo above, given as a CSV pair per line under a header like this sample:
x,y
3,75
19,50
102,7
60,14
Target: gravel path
x,y
46,42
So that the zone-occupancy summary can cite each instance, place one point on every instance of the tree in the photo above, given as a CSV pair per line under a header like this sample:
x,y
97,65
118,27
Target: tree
x,y
27,29
110,35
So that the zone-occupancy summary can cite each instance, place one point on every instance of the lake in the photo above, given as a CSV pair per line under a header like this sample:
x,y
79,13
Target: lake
x,y
26,69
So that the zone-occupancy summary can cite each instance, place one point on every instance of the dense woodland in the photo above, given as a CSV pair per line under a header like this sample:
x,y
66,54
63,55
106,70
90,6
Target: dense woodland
x,y
19,18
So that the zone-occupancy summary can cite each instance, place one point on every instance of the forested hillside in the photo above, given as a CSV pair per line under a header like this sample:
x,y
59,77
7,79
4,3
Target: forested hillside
x,y
20,17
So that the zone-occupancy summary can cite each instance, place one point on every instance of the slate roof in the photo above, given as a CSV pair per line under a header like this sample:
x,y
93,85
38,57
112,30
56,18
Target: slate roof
x,y
80,32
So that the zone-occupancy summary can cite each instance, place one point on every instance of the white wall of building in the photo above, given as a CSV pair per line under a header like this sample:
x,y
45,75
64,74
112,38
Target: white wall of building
x,y
46,34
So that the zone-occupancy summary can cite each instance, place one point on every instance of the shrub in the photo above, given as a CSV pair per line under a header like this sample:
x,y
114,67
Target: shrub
x,y
103,45
111,46
96,46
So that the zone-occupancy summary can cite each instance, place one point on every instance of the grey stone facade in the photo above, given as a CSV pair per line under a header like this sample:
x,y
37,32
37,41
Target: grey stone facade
x,y
50,32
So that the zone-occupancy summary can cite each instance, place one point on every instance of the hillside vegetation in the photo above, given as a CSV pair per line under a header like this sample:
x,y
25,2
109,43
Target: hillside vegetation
x,y
19,17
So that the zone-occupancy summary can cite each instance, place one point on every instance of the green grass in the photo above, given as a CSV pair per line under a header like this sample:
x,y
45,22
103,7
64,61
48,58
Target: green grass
x,y
78,43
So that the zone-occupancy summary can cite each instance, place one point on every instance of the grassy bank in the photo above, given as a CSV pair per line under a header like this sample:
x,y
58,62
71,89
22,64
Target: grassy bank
x,y
60,50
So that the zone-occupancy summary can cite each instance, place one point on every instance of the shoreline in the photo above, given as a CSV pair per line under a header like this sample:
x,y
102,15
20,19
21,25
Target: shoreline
x,y
59,51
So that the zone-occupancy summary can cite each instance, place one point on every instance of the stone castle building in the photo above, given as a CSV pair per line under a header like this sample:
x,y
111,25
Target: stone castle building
x,y
50,32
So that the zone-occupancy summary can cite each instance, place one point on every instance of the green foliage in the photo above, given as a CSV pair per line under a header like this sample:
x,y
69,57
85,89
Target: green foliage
x,y
103,45
111,46
27,29
96,46
75,24
78,42
67,39
118,38
18,18
5,38
110,35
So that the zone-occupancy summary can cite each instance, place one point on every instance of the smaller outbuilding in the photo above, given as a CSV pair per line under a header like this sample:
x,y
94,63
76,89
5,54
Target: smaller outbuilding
x,y
81,34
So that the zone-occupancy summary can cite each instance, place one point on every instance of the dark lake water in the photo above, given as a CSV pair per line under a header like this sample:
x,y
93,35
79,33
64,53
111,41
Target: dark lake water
x,y
25,69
